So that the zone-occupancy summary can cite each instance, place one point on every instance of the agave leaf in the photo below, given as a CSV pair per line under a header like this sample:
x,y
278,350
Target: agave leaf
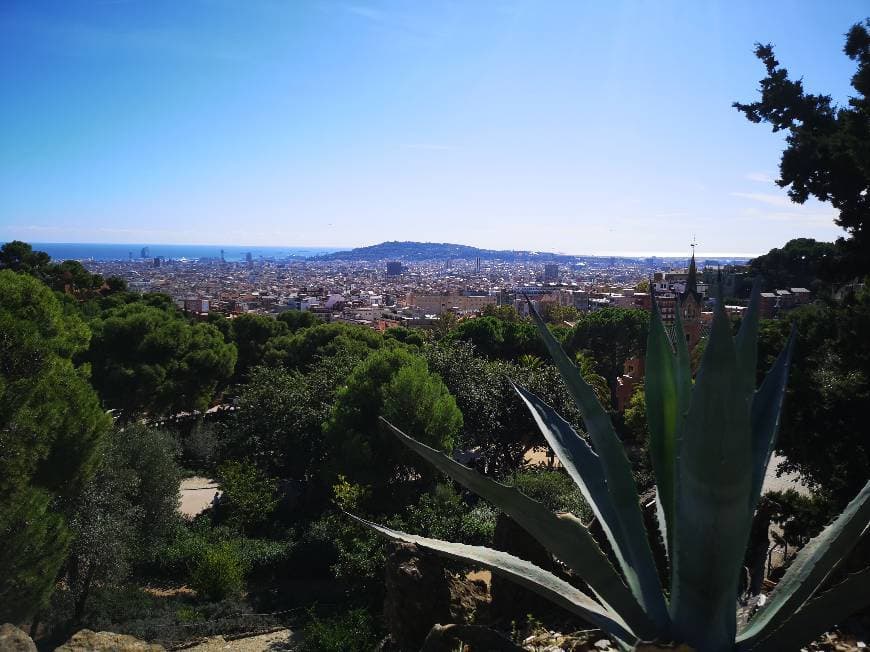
x,y
765,415
663,416
813,564
628,527
746,341
566,538
585,468
820,614
712,515
522,572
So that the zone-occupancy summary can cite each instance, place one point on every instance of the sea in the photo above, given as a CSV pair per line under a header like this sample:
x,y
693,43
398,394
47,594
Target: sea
x,y
101,251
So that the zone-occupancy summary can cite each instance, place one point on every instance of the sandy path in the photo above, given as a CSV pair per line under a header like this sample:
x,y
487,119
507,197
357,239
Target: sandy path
x,y
196,495
283,639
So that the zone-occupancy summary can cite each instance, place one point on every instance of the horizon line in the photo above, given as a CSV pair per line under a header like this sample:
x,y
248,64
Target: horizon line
x,y
603,254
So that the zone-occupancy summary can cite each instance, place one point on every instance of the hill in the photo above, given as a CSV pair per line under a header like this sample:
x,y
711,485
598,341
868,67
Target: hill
x,y
416,251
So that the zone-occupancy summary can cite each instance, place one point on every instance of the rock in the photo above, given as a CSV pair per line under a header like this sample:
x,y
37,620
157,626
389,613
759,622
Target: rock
x,y
417,595
13,639
473,638
510,600
89,641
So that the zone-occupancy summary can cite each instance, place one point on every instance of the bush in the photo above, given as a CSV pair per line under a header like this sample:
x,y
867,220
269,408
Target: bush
x,y
248,495
554,489
219,572
349,632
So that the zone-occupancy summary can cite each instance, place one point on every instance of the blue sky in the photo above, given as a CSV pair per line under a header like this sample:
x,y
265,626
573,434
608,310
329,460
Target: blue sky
x,y
584,127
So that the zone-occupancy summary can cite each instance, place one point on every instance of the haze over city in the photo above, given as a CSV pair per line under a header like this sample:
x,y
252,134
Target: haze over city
x,y
585,128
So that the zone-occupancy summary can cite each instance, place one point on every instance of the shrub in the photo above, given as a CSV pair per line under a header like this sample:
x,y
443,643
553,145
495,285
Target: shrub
x,y
248,495
219,572
349,632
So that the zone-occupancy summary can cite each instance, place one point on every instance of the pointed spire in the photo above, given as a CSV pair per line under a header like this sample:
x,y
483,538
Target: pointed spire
x,y
692,278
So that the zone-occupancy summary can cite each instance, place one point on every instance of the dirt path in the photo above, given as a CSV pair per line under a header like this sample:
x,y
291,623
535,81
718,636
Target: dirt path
x,y
196,495
283,639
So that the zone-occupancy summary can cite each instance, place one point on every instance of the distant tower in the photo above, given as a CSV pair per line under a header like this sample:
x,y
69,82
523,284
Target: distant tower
x,y
250,260
130,253
146,252
478,264
394,268
223,258
551,272
690,305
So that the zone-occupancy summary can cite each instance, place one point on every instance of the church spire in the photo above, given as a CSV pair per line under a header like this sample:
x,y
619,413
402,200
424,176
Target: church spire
x,y
692,278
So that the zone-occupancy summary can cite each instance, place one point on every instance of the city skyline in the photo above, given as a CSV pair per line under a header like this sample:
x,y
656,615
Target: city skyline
x,y
589,130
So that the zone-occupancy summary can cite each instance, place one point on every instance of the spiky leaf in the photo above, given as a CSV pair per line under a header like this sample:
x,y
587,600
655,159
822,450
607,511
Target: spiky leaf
x,y
712,514
629,531
813,564
821,613
765,415
522,572
566,538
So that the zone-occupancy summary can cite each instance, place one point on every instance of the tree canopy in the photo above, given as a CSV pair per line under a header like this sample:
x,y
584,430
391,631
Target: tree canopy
x,y
827,153
397,385
51,425
146,357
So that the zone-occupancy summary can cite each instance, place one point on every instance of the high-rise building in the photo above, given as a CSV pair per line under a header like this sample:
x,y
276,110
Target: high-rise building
x,y
551,272
394,268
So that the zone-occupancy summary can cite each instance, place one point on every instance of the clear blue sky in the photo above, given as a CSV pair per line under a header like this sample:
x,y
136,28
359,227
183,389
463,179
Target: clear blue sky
x,y
576,126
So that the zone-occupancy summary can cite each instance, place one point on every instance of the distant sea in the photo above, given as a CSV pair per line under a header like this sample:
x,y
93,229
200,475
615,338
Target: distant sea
x,y
99,251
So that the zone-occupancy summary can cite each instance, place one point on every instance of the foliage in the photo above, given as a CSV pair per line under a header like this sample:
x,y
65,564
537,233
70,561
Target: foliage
x,y
497,338
298,319
146,357
248,496
126,512
398,385
827,154
250,334
800,517
51,426
800,263
352,631
279,422
554,489
495,423
609,337
218,572
825,419
711,442
302,349
442,513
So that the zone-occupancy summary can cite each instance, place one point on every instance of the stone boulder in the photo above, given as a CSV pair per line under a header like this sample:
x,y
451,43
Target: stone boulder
x,y
472,638
88,641
420,593
13,639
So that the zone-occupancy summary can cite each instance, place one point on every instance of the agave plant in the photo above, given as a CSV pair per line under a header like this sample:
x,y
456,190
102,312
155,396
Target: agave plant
x,y
711,442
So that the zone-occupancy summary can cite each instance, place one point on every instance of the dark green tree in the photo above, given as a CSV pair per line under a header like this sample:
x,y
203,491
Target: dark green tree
x,y
250,334
149,357
51,425
303,348
20,257
824,421
610,336
397,385
298,319
827,153
802,262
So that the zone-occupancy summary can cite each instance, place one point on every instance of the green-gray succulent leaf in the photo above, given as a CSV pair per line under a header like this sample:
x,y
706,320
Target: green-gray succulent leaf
x,y
712,516
820,614
812,565
765,414
522,572
629,531
565,538
661,393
